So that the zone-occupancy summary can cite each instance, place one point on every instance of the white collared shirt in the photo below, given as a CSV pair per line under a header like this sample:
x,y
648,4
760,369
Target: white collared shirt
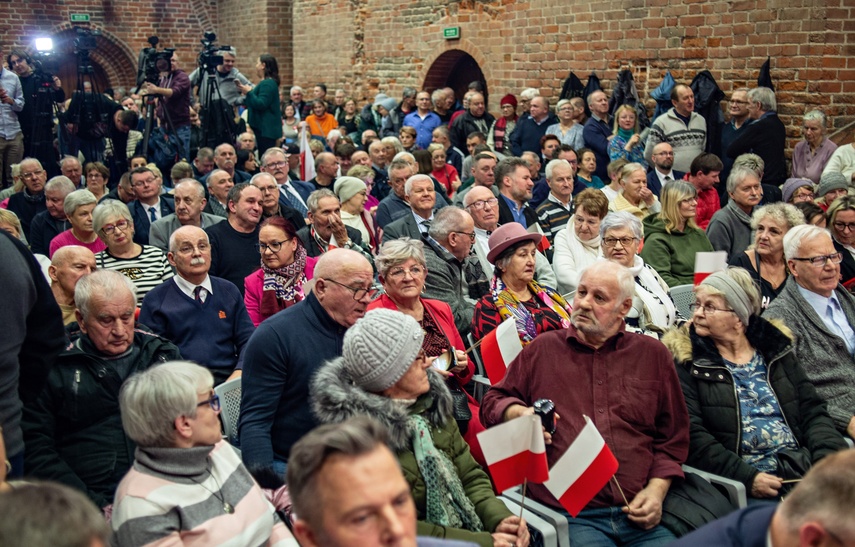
x,y
189,288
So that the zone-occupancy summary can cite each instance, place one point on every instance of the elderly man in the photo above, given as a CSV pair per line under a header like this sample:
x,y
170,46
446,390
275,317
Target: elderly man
x,y
31,200
326,170
532,127
514,179
326,231
732,129
301,107
219,182
234,243
203,315
123,192
226,76
50,223
293,193
150,206
474,120
662,172
484,208
453,155
203,163
681,127
764,136
598,131
394,205
729,229
554,213
190,201
454,275
225,158
483,174
70,167
283,355
272,203
815,306
626,383
67,266
421,196
73,430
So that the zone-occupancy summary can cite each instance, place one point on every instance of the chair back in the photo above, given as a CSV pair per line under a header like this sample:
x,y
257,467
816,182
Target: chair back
x,y
229,393
683,297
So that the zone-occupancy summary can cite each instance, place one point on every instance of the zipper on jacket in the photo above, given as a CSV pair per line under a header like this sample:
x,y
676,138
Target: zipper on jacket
x,y
76,384
736,399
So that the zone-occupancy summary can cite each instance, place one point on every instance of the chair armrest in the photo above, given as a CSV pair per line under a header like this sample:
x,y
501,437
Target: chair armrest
x,y
536,523
480,386
735,489
553,517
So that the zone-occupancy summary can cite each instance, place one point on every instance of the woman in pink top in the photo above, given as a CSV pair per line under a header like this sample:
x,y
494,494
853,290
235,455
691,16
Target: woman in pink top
x,y
78,208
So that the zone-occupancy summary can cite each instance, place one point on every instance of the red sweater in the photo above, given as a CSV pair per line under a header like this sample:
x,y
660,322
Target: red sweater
x,y
708,204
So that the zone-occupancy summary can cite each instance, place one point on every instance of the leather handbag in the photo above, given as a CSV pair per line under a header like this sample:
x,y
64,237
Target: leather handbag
x,y
459,404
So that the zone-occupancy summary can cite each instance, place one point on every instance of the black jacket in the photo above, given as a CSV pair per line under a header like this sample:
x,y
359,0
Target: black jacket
x,y
767,138
715,423
708,97
506,216
73,430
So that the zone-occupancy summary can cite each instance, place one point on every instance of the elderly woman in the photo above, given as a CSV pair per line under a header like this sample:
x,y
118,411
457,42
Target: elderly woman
x,y
385,372
812,154
78,206
145,265
841,223
832,185
578,245
366,174
626,142
729,229
284,269
497,136
567,129
402,271
587,167
672,237
187,485
764,259
513,290
751,407
353,194
797,191
652,310
634,195
445,173
97,177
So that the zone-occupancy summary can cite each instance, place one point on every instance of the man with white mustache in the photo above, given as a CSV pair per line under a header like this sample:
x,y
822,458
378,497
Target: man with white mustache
x,y
204,316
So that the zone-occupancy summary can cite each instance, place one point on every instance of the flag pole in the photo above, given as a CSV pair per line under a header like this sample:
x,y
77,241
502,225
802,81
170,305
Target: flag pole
x,y
522,500
614,478
475,345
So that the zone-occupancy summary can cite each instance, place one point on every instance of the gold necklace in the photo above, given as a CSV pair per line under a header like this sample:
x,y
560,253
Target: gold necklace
x,y
228,508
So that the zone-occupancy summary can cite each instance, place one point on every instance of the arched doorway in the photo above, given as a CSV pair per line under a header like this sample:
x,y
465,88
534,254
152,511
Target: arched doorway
x,y
455,69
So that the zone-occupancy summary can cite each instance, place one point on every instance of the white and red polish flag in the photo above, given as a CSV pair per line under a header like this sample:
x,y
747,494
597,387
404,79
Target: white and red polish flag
x,y
582,471
709,263
515,452
307,160
499,348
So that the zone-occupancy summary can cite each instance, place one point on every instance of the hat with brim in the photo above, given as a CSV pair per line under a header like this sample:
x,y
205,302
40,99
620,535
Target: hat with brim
x,y
506,236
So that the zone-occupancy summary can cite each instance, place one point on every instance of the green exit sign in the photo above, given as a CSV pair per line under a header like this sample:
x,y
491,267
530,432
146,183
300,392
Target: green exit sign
x,y
79,17
451,33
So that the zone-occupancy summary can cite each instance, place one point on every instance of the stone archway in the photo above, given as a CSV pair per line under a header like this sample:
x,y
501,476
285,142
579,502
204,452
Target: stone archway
x,y
455,68
113,63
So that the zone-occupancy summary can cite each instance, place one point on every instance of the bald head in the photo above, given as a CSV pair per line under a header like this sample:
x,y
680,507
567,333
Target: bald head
x,y
67,266
477,193
340,261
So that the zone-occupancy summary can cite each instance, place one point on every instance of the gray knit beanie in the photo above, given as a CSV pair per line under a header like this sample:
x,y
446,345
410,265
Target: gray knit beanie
x,y
347,187
831,181
380,347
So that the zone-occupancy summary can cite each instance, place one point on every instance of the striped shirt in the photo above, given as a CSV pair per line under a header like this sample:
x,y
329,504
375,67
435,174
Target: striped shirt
x,y
552,217
147,270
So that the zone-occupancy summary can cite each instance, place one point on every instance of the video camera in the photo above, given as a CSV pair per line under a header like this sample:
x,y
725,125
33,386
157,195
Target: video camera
x,y
152,62
210,57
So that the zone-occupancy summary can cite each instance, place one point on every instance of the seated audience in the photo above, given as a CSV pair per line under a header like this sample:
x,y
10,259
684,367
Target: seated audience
x,y
841,223
811,155
67,266
813,213
729,229
352,192
588,167
841,161
627,142
578,245
634,195
234,243
52,222
831,186
190,203
797,191
78,206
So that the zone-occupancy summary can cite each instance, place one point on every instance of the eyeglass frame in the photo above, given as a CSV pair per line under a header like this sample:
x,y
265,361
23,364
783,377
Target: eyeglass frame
x,y
470,234
835,258
399,271
31,175
376,290
110,229
481,203
708,309
616,240
843,225
213,401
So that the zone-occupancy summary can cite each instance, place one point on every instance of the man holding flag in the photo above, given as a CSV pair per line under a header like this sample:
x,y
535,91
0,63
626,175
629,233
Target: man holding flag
x,y
615,393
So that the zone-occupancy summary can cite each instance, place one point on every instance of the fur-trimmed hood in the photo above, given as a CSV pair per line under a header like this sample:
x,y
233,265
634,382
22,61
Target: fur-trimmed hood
x,y
335,398
771,337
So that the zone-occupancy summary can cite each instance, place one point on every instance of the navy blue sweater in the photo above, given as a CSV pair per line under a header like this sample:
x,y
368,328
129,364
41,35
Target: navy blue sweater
x,y
279,362
212,333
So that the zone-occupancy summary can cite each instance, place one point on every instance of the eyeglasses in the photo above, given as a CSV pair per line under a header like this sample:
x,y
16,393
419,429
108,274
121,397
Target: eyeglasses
x,y
359,293
31,175
566,109
188,249
708,309
120,225
664,154
400,272
146,182
470,234
844,226
277,164
481,203
624,241
734,101
268,189
819,261
214,402
273,246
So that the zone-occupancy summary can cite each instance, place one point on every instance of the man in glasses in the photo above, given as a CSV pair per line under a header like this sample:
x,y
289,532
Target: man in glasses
x,y
73,430
731,130
662,172
204,316
815,306
285,352
31,201
189,195
150,206
326,231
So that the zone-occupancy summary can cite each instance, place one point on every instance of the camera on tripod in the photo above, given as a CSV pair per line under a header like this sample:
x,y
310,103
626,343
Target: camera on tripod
x,y
85,40
43,62
152,62
210,57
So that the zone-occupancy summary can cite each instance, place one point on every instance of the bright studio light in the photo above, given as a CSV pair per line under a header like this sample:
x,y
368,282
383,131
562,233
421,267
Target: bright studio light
x,y
44,44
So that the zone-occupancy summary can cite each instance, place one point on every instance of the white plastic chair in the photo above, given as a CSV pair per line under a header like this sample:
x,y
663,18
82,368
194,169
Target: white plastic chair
x,y
229,393
683,297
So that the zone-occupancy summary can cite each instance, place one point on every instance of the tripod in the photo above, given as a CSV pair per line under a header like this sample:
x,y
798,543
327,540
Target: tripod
x,y
41,145
217,116
169,131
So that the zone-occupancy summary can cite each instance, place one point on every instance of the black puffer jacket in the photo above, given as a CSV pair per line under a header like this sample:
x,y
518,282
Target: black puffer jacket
x,y
73,431
715,423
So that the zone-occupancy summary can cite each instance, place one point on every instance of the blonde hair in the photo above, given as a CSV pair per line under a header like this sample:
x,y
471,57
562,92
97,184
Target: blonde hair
x,y
672,195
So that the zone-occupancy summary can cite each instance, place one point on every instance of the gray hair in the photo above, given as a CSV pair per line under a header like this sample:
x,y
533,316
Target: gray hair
x,y
626,283
550,167
750,161
271,152
408,186
30,161
296,88
446,220
355,437
313,203
782,213
764,96
804,233
197,186
398,251
173,247
151,401
107,209
621,219
393,141
436,96
263,175
66,159
77,198
107,283
529,93
61,183
210,179
737,176
816,116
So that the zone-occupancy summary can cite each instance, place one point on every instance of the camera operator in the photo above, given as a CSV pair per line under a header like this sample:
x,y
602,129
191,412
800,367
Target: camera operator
x,y
11,141
227,75
174,104
21,62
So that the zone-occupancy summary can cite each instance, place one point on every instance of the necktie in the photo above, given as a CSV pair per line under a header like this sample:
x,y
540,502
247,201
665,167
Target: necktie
x,y
152,213
197,293
293,201
667,178
425,226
